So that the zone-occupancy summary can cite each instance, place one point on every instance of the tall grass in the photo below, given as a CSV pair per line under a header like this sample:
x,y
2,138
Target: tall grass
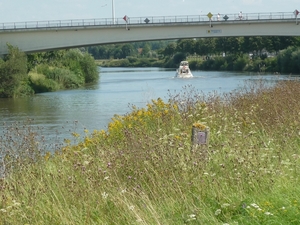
x,y
144,169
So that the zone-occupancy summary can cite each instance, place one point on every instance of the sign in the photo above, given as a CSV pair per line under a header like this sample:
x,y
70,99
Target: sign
x,y
200,134
125,18
147,20
209,15
213,31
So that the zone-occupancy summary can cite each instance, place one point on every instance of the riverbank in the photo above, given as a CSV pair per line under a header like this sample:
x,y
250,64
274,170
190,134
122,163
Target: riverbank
x,y
27,74
144,168
285,62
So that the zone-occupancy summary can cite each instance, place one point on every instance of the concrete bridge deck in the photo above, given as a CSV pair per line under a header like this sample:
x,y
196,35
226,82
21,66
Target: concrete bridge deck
x,y
32,36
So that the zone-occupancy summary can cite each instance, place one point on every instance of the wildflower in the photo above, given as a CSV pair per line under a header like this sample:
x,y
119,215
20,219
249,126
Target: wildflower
x,y
3,210
47,156
85,163
254,205
16,204
199,126
104,195
268,214
225,205
75,134
131,207
192,216
218,212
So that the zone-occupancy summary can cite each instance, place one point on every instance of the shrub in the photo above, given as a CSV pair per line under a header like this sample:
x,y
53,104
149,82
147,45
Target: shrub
x,y
13,73
40,83
240,64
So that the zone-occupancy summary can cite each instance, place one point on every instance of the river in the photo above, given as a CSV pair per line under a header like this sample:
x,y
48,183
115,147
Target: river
x,y
92,107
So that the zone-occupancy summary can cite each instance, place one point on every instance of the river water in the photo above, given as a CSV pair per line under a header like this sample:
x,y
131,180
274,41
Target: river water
x,y
93,107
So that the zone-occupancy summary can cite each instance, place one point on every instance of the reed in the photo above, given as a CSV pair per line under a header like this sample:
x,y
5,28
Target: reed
x,y
143,169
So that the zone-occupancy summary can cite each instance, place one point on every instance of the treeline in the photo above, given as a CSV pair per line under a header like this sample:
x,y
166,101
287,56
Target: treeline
x,y
25,74
273,54
134,49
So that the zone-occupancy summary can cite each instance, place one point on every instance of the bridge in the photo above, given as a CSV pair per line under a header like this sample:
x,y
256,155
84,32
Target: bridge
x,y
34,36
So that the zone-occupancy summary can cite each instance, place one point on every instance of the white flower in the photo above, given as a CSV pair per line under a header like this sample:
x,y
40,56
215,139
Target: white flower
x,y
131,207
85,163
104,195
254,205
218,212
17,204
268,213
192,217
225,205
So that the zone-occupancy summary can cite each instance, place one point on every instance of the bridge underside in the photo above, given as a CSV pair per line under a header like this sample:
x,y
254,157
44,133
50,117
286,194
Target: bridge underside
x,y
44,39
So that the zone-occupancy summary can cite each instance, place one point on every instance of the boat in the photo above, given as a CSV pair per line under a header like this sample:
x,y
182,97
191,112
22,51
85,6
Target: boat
x,y
184,71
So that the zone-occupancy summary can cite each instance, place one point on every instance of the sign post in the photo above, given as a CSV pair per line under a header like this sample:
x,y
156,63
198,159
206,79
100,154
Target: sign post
x,y
200,134
296,12
126,20
209,15
200,139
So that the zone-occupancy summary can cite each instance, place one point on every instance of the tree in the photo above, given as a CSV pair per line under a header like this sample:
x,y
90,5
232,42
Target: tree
x,y
186,45
170,50
128,50
89,68
146,50
228,45
13,73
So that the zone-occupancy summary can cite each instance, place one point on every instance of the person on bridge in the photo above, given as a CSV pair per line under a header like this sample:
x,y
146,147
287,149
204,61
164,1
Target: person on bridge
x,y
241,15
218,16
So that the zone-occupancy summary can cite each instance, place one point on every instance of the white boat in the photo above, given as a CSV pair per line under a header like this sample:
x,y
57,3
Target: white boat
x,y
184,71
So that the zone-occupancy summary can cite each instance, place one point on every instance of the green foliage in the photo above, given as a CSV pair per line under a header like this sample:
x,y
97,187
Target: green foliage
x,y
133,62
82,64
178,57
61,69
64,69
41,84
89,68
240,64
65,77
13,74
236,49
289,60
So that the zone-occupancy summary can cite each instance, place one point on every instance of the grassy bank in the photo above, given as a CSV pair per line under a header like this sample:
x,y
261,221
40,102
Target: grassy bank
x,y
144,170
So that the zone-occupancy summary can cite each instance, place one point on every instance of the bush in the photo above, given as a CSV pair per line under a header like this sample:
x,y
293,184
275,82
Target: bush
x,y
13,73
240,64
89,68
40,83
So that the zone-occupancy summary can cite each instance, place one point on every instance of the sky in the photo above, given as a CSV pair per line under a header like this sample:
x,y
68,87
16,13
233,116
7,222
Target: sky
x,y
44,10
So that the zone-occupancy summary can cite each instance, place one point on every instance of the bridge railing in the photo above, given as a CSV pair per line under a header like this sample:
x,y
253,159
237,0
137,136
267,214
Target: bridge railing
x,y
145,20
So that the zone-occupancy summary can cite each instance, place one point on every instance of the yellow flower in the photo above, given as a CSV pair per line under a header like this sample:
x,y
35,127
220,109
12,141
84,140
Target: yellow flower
x,y
47,156
75,134
199,126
